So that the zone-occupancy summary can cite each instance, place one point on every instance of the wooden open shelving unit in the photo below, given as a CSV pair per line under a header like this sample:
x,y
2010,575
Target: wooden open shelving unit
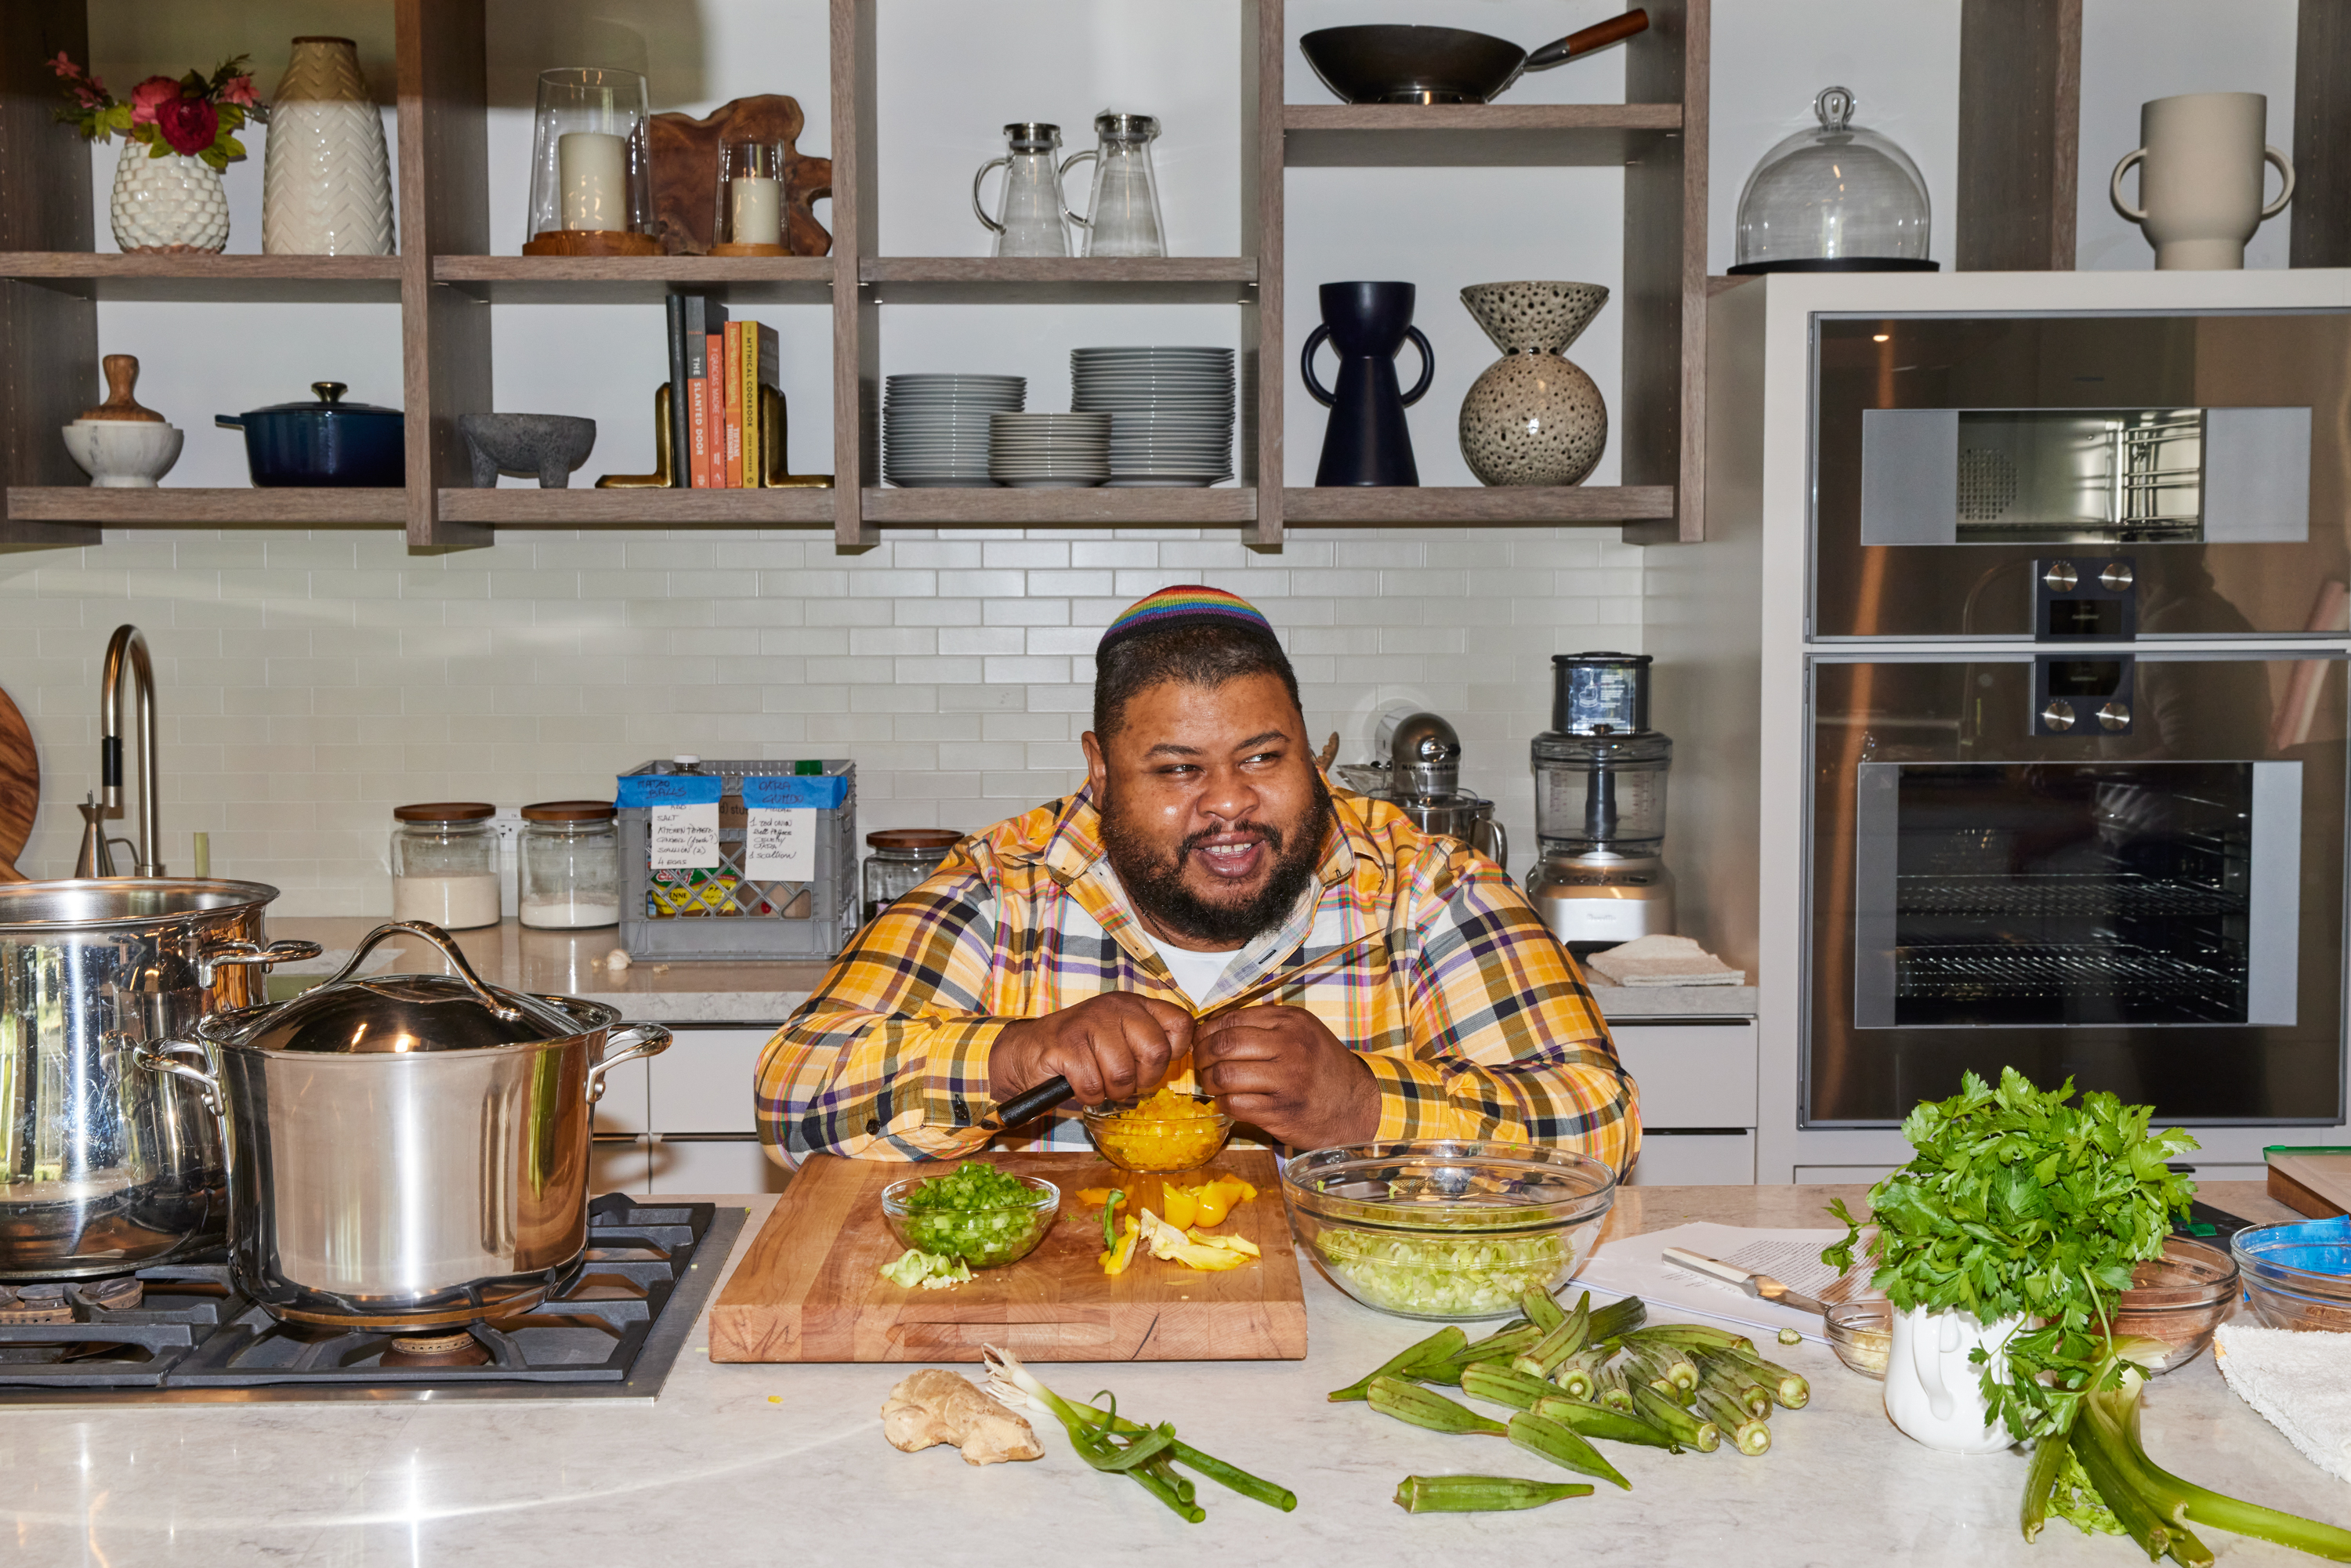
x,y
50,281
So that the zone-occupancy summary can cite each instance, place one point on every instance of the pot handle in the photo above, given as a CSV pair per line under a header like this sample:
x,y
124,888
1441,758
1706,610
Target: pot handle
x,y
449,950
290,951
226,423
158,1056
636,1043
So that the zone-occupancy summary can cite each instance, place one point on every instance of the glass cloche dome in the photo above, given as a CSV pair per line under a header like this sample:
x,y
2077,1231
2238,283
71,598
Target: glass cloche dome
x,y
1838,199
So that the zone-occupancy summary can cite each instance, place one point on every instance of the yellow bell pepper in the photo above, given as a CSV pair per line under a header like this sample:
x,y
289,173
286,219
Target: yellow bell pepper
x,y
1114,1262
1095,1196
1240,1244
1210,1203
1180,1204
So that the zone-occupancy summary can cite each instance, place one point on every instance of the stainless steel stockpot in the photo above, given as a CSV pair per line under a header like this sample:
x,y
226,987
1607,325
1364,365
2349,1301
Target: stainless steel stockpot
x,y
408,1150
103,1168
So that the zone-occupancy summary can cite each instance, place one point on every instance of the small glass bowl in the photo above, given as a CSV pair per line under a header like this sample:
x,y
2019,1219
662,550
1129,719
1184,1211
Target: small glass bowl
x,y
1152,1145
2297,1276
1861,1333
1447,1231
2181,1298
982,1237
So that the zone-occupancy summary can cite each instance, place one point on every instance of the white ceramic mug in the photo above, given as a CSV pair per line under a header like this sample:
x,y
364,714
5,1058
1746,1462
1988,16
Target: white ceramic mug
x,y
2200,186
1933,1392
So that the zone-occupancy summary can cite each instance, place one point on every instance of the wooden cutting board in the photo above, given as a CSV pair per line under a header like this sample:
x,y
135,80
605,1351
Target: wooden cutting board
x,y
810,1288
2313,1182
20,788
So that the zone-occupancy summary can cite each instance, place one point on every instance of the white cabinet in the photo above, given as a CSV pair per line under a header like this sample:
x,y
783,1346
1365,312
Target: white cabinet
x,y
1691,1074
702,1084
682,1122
1698,1102
714,1166
1694,1159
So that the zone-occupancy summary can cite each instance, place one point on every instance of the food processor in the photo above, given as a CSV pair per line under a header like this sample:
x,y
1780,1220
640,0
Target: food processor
x,y
1600,806
1419,772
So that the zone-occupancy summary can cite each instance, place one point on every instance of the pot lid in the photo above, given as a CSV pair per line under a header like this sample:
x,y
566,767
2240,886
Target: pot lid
x,y
388,1014
329,400
913,839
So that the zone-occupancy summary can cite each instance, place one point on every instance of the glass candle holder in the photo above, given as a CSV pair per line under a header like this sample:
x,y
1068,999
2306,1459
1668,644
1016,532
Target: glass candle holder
x,y
750,215
590,177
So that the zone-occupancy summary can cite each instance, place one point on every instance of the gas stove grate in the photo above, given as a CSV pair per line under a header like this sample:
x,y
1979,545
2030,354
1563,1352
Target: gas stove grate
x,y
194,1332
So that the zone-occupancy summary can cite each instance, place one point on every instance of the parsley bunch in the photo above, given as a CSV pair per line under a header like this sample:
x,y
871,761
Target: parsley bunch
x,y
2019,1204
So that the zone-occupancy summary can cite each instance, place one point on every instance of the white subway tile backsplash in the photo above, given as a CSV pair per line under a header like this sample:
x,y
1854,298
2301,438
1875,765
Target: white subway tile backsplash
x,y
308,683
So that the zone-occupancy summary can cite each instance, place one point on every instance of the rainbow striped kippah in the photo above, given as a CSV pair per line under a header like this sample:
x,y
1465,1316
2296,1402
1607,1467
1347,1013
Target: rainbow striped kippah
x,y
1187,605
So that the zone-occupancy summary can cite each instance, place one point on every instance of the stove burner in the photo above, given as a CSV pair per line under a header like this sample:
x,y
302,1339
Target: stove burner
x,y
183,1332
119,1294
459,1349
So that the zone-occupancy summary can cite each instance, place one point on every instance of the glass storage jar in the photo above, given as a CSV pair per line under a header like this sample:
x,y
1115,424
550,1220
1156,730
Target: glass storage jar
x,y
444,864
902,859
1836,198
569,865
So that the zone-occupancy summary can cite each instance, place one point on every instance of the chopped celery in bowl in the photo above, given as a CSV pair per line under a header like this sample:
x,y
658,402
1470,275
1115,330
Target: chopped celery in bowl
x,y
1442,1230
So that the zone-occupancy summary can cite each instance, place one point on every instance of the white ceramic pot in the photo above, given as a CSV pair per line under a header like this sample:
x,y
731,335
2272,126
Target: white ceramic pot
x,y
124,453
1933,1392
167,204
326,176
2200,181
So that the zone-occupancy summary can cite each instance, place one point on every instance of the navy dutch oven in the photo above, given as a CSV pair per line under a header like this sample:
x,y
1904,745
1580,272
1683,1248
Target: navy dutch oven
x,y
326,443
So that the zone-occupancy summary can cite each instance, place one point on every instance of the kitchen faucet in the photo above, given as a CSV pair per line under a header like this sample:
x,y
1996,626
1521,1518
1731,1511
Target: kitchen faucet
x,y
128,647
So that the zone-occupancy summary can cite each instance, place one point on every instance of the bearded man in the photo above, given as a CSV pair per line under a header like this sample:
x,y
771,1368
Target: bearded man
x,y
1204,911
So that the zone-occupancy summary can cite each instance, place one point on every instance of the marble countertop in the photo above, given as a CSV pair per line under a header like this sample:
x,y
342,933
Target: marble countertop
x,y
572,964
742,1463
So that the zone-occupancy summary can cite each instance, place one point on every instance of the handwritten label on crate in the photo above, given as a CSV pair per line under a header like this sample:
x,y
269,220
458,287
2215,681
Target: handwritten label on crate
x,y
780,845
682,838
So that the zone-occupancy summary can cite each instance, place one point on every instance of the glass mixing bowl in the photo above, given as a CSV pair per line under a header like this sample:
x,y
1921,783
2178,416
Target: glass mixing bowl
x,y
2297,1276
1862,1332
982,1237
2181,1298
1447,1231
1156,1146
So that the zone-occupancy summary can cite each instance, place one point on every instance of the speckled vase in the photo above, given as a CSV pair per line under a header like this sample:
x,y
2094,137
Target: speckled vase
x,y
1534,418
170,204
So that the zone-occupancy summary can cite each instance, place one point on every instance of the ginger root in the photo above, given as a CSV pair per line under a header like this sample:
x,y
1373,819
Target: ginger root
x,y
934,1407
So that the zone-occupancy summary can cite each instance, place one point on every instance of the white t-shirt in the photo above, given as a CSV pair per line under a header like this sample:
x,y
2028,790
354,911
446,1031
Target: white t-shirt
x,y
1196,973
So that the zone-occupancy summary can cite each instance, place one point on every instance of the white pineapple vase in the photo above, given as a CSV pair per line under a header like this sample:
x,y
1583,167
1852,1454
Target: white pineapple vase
x,y
326,178
167,204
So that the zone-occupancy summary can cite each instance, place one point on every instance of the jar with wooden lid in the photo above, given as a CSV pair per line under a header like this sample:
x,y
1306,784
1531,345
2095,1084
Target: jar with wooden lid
x,y
444,864
570,862
902,860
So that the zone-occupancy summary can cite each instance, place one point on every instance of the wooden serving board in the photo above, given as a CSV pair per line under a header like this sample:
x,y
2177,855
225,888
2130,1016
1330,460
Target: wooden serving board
x,y
810,1288
2317,1185
20,788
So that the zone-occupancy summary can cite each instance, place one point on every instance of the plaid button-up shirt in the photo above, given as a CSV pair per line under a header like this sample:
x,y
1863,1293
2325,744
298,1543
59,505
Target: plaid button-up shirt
x,y
1421,956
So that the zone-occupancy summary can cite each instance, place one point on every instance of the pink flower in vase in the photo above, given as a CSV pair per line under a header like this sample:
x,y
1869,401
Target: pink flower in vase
x,y
239,91
149,95
189,124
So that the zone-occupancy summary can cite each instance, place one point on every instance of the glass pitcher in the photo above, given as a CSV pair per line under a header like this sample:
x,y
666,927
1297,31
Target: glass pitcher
x,y
1029,209
1122,218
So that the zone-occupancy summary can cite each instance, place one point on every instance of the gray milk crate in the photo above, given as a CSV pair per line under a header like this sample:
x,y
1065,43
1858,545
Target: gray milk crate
x,y
722,914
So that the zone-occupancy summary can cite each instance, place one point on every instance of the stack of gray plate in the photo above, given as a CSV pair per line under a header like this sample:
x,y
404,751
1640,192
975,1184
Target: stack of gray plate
x,y
934,427
1172,412
1048,451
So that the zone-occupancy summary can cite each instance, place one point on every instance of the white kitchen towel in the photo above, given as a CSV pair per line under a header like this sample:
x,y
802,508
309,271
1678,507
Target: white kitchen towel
x,y
2301,1382
1664,961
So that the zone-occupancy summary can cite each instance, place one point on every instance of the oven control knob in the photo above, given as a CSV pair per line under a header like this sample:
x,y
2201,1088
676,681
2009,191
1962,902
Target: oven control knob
x,y
2114,718
2058,716
2061,577
2116,577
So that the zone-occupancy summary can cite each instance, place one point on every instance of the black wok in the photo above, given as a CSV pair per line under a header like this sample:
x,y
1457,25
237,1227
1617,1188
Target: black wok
x,y
1441,65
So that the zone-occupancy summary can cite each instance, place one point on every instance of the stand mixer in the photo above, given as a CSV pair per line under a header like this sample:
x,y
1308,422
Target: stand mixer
x,y
1600,806
1421,774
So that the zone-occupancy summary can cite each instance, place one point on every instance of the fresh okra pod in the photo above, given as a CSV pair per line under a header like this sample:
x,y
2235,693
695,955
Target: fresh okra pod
x,y
1592,1421
1749,1435
1561,1446
1732,1378
1683,1427
1408,1402
1787,1387
1499,1384
1439,1346
1557,1345
1541,1309
1481,1494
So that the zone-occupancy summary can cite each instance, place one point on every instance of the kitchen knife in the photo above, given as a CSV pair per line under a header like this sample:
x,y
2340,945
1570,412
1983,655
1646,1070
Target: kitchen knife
x,y
1761,1286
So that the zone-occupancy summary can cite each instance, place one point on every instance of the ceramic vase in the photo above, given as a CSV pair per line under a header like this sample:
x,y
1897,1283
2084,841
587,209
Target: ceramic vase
x,y
1534,418
172,204
326,179
2200,158
1933,1392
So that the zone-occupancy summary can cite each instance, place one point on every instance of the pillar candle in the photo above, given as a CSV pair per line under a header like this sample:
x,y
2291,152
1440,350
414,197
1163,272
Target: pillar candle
x,y
591,169
758,212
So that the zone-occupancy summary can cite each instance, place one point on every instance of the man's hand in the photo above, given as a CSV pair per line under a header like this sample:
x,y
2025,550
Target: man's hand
x,y
1111,1047
1280,1069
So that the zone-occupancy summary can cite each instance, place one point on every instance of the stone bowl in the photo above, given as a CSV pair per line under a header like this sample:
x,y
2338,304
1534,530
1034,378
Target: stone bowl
x,y
549,445
124,453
